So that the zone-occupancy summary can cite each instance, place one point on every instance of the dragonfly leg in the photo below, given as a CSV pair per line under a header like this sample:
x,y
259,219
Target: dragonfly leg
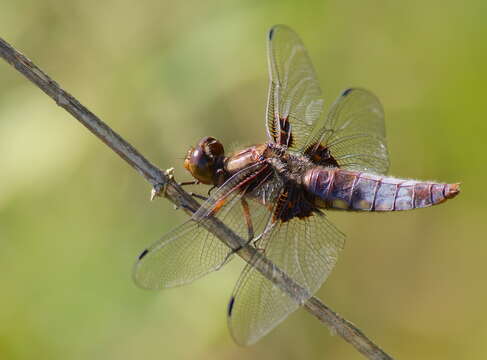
x,y
250,227
247,243
248,219
198,196
255,244
184,206
193,182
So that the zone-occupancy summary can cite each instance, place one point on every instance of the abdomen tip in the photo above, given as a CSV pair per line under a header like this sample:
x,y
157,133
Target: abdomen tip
x,y
452,190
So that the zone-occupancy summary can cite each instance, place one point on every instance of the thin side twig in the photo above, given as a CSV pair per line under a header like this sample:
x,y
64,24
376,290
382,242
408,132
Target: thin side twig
x,y
182,199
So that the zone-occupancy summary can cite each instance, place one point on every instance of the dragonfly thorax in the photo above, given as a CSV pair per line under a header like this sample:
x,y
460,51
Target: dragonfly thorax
x,y
289,166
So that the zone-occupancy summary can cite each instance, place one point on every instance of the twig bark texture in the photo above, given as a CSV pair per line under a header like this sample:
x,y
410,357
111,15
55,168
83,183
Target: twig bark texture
x,y
178,196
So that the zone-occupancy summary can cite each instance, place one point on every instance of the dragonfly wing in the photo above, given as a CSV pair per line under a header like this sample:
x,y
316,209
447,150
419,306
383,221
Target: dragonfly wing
x,y
181,256
354,132
306,250
294,99
190,251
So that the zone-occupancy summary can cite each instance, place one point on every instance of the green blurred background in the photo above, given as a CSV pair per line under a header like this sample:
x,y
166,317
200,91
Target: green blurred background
x,y
73,216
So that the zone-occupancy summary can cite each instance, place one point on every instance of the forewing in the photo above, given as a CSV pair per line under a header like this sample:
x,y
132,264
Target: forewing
x,y
354,132
190,251
306,250
294,99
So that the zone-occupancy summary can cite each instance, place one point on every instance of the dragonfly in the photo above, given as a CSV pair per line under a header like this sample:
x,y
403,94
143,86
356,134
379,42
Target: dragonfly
x,y
276,195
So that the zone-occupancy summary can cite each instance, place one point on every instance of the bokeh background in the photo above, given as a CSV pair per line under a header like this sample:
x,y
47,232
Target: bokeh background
x,y
73,216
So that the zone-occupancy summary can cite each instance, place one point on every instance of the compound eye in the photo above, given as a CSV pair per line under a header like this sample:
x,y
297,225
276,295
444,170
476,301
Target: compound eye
x,y
199,165
212,147
204,161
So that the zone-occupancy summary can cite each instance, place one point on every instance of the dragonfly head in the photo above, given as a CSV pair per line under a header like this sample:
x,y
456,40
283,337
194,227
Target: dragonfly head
x,y
205,161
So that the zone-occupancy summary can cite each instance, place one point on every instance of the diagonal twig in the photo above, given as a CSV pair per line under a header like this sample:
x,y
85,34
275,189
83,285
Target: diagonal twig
x,y
159,179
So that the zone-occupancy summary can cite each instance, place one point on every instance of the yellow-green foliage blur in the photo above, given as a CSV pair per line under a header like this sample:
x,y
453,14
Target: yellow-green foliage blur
x,y
73,216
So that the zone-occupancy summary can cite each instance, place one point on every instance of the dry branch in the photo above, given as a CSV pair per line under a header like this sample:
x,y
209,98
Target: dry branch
x,y
158,179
